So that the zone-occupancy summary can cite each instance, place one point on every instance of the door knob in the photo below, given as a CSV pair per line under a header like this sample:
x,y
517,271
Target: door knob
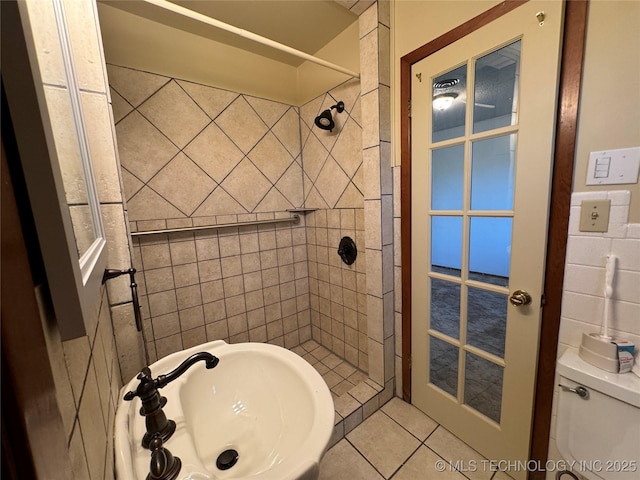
x,y
520,298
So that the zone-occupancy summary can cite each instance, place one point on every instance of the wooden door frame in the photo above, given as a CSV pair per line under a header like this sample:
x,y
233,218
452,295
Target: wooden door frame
x,y
572,54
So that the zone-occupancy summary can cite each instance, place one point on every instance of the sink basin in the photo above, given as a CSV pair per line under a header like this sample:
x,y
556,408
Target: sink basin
x,y
263,401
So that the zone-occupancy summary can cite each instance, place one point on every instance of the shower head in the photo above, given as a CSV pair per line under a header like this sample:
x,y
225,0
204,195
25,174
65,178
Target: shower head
x,y
325,119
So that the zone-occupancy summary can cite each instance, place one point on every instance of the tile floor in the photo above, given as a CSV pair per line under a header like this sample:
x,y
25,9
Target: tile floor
x,y
400,442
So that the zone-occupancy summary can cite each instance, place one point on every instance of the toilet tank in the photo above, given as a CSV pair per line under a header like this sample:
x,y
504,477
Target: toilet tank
x,y
600,432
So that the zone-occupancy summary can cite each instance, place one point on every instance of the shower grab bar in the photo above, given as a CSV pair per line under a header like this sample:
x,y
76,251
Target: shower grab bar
x,y
293,219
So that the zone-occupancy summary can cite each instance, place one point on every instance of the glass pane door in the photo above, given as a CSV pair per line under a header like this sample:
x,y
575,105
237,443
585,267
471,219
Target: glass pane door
x,y
481,132
472,176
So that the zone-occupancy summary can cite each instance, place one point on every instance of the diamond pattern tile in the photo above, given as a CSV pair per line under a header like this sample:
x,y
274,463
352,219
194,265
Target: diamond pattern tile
x,y
242,124
212,100
331,182
348,148
135,86
148,205
219,203
315,200
246,184
291,184
271,158
348,92
307,185
273,201
310,110
287,130
131,184
313,157
214,152
305,132
358,179
351,198
356,113
256,154
143,149
183,184
270,112
121,108
173,112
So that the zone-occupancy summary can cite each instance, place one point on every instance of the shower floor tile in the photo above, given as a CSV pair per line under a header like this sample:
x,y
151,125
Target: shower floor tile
x,y
340,375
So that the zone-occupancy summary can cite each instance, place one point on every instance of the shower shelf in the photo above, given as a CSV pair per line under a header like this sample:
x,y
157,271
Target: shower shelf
x,y
301,210
293,219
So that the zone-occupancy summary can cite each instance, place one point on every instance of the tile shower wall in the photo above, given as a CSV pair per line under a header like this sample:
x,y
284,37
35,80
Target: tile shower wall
x,y
583,295
332,160
334,177
338,292
194,155
189,150
235,284
375,68
374,118
333,187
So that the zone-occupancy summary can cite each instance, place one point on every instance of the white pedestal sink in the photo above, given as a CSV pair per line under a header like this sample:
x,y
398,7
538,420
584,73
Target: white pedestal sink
x,y
263,401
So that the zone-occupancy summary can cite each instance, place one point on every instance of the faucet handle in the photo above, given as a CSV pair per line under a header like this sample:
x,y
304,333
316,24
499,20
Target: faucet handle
x,y
145,374
145,379
164,466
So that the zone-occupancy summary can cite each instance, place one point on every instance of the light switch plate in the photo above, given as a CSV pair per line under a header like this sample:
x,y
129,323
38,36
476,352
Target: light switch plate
x,y
614,167
594,215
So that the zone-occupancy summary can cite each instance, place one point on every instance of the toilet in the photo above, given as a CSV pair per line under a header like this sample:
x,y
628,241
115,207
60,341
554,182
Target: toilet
x,y
598,420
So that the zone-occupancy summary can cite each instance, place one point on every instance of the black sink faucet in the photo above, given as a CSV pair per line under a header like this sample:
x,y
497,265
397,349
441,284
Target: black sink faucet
x,y
152,402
